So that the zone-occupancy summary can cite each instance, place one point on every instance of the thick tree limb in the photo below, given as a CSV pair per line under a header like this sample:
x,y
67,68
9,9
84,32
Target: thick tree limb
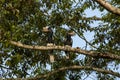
x,y
65,48
108,6
75,67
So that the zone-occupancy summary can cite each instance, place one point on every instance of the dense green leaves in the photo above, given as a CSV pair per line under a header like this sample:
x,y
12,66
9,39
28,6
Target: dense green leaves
x,y
23,20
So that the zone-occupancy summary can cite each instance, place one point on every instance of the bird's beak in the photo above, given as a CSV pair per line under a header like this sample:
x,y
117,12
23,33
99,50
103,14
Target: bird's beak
x,y
71,33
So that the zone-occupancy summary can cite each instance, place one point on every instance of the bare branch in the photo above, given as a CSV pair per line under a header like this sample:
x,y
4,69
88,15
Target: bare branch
x,y
1,66
91,18
65,48
82,37
108,6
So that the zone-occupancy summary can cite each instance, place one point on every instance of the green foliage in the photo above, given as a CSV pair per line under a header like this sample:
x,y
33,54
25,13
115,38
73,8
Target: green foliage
x,y
23,20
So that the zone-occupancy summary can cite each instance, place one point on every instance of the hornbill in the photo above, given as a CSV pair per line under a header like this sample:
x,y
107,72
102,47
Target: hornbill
x,y
68,42
49,32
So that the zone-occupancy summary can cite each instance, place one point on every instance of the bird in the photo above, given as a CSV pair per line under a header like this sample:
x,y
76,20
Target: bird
x,y
49,32
68,42
50,36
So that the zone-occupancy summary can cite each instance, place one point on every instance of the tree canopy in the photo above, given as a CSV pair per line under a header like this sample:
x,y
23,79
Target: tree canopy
x,y
23,45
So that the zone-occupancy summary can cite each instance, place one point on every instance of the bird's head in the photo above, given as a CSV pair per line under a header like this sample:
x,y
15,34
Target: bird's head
x,y
47,29
71,33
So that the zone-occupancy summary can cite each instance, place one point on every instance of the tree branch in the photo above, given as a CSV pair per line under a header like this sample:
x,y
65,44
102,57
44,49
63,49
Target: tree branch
x,y
92,18
74,67
5,67
108,6
82,37
65,48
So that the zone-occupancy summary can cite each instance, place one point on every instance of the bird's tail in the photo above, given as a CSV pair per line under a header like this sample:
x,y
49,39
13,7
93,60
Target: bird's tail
x,y
67,54
51,56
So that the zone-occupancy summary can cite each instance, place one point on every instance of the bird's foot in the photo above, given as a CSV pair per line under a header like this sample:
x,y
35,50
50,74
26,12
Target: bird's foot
x,y
68,46
50,44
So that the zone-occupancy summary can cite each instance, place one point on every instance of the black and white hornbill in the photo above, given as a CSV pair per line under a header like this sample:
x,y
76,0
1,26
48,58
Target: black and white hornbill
x,y
49,32
68,42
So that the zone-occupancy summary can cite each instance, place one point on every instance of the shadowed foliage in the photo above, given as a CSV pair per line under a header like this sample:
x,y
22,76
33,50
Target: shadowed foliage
x,y
23,21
